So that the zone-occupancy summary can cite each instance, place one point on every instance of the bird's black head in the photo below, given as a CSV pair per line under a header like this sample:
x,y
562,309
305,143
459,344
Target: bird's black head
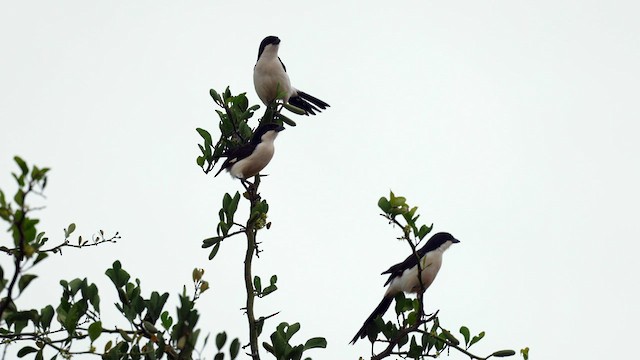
x,y
269,40
263,129
439,239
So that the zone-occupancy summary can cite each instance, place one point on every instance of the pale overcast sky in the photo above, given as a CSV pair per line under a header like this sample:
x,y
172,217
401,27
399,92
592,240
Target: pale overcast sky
x,y
511,124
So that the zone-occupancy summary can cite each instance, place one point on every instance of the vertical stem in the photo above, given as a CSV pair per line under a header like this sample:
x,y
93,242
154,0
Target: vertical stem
x,y
250,231
17,257
253,333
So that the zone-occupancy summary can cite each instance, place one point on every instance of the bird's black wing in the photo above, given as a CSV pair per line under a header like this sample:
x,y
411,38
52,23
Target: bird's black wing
x,y
236,155
284,67
411,261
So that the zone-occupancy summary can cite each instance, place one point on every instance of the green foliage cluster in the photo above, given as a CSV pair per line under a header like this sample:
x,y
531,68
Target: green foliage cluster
x,y
74,325
280,347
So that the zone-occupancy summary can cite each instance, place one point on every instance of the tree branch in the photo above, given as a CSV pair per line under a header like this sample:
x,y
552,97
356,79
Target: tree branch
x,y
17,257
251,232
402,333
457,347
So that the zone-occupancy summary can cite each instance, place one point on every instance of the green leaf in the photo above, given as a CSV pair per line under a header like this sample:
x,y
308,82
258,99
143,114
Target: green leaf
x,y
22,164
476,338
402,303
26,350
269,289
46,315
205,135
19,325
273,279
73,316
70,229
449,336
525,353
268,347
125,336
503,353
226,201
384,204
95,330
257,284
294,109
316,342
295,353
118,276
77,284
467,335
374,328
424,230
398,201
427,342
224,227
209,242
412,318
439,344
41,256
409,215
214,251
286,120
221,338
215,95
233,206
219,356
241,102
19,198
279,343
414,349
292,330
25,280
234,349
166,320
93,296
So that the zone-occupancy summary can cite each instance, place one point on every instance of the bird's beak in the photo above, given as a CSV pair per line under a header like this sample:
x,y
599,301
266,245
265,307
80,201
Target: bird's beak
x,y
277,41
280,128
455,240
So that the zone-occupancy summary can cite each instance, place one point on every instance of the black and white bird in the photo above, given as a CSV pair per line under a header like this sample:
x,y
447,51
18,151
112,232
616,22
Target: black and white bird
x,y
249,159
270,77
403,277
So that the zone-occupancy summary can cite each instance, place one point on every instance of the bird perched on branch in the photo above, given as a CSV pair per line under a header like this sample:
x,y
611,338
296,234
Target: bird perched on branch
x,y
403,277
249,159
270,77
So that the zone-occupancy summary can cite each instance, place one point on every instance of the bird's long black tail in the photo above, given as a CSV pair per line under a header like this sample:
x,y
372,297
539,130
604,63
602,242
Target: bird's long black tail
x,y
379,311
306,102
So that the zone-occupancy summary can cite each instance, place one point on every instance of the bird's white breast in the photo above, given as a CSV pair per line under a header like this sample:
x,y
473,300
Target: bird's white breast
x,y
408,281
254,163
268,77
